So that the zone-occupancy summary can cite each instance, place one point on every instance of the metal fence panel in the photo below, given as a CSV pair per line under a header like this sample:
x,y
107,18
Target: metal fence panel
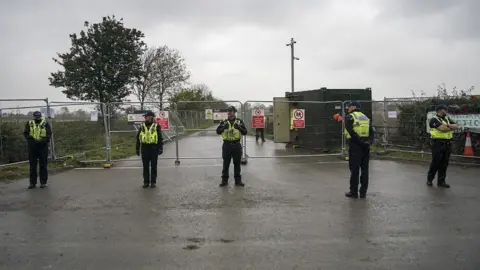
x,y
200,119
14,114
79,131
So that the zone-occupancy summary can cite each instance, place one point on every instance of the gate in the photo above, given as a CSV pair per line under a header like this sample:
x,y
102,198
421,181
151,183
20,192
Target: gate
x,y
200,119
124,120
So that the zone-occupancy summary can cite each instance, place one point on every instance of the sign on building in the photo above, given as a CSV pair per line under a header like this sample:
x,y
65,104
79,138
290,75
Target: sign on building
x,y
162,120
258,118
220,115
298,118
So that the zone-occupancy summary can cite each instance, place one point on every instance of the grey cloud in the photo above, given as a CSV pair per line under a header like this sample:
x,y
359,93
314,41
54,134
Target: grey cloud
x,y
443,19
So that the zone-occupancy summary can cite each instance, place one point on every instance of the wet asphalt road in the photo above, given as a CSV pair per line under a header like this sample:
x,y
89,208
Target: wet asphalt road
x,y
291,215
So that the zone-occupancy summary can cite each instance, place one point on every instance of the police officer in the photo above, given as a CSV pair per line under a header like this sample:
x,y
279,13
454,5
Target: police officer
x,y
150,144
38,134
441,132
259,132
360,134
231,131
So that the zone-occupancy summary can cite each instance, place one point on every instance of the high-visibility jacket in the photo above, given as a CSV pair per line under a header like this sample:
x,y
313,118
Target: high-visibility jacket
x,y
231,133
361,125
437,134
39,131
149,135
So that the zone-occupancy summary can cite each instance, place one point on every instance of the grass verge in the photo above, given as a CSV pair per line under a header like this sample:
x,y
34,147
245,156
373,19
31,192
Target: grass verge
x,y
123,146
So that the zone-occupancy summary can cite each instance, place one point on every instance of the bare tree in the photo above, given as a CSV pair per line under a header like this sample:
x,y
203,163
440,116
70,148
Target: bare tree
x,y
147,79
170,73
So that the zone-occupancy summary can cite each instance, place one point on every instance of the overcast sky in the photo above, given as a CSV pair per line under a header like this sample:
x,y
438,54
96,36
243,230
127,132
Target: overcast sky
x,y
238,49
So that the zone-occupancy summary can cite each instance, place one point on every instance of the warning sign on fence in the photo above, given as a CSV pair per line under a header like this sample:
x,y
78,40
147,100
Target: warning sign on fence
x,y
162,120
208,114
258,118
298,118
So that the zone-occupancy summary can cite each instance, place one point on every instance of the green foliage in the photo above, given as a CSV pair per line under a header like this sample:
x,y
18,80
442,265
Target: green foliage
x,y
101,63
412,117
197,94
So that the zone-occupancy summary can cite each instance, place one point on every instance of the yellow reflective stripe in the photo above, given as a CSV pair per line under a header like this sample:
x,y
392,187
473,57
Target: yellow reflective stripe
x,y
38,131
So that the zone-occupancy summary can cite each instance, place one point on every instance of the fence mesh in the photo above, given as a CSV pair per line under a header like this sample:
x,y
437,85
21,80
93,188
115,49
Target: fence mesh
x,y
408,123
14,114
78,131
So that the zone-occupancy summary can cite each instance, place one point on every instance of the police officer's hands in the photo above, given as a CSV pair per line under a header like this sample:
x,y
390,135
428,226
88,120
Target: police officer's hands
x,y
236,125
160,150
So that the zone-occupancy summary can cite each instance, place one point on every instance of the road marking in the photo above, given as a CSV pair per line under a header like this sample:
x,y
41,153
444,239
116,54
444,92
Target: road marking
x,y
160,167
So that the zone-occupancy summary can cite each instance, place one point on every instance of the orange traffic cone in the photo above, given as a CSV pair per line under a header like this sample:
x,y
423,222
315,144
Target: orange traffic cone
x,y
468,146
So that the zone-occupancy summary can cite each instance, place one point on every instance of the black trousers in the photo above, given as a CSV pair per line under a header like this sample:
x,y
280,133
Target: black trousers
x,y
259,132
38,154
149,160
359,159
441,150
232,150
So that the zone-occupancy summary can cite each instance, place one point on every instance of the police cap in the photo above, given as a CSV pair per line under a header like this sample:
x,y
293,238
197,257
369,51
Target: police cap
x,y
149,113
441,107
37,114
354,103
231,109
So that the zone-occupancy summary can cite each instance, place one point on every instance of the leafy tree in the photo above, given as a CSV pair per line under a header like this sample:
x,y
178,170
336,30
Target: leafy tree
x,y
412,117
170,73
147,79
102,62
196,94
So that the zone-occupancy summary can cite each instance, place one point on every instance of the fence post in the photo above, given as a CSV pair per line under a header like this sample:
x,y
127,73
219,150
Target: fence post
x,y
244,154
107,134
177,160
385,128
344,140
52,139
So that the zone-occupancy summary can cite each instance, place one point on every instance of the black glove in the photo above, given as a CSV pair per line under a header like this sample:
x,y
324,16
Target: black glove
x,y
160,150
237,126
137,152
366,144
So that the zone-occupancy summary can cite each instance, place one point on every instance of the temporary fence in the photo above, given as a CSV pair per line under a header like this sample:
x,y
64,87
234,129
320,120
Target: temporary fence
x,y
14,114
78,131
201,119
94,132
303,125
407,124
124,121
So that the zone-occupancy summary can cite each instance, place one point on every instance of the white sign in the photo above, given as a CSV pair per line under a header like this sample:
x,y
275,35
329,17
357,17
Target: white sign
x,y
94,116
298,118
208,114
392,114
469,121
135,117
220,116
258,112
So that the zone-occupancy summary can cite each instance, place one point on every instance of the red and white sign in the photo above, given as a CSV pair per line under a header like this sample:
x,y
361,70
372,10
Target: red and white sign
x,y
258,118
298,118
162,119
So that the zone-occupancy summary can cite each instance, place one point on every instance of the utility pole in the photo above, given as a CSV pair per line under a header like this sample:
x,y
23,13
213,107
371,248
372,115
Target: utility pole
x,y
292,48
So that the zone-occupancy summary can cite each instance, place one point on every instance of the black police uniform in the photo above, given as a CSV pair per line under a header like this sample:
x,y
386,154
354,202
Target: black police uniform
x,y
149,153
259,132
359,158
441,150
38,152
232,150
